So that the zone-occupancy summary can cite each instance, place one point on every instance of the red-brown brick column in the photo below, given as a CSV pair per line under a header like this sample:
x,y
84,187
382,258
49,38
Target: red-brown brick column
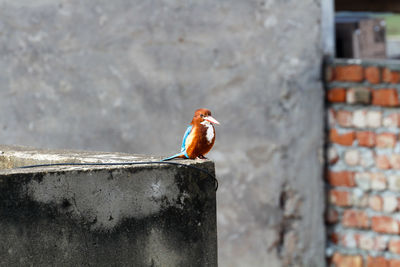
x,y
363,163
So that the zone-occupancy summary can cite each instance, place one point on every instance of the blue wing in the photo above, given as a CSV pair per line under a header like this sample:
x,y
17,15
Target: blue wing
x,y
188,130
183,148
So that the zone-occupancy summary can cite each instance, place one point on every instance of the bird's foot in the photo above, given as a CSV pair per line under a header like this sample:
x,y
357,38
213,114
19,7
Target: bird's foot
x,y
201,157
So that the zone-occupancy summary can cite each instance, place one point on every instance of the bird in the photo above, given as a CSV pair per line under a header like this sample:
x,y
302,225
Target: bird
x,y
199,137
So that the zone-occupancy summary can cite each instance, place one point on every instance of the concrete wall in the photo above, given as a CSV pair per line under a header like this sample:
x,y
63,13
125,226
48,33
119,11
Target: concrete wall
x,y
141,215
127,75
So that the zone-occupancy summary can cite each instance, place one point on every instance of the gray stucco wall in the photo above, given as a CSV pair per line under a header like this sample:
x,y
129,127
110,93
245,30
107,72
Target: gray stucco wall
x,y
127,75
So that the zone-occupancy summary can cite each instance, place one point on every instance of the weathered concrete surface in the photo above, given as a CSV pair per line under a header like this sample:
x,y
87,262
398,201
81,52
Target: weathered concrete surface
x,y
127,75
143,215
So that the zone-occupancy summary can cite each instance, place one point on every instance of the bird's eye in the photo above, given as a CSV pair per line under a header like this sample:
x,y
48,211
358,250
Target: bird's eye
x,y
201,115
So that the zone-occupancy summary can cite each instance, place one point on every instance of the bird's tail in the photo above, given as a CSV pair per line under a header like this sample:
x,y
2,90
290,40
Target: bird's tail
x,y
179,155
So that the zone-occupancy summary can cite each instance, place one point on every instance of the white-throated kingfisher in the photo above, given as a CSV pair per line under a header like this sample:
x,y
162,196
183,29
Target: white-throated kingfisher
x,y
199,137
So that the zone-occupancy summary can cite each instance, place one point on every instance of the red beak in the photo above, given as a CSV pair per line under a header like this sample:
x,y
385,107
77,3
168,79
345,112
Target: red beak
x,y
211,119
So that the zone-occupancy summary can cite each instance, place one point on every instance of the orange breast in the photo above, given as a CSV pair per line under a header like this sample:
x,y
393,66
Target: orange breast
x,y
200,145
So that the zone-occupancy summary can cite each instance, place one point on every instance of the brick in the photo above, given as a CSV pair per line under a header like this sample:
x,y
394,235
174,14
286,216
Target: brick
x,y
386,140
391,120
389,76
394,263
363,180
395,161
340,260
348,240
336,95
340,198
334,237
381,243
366,242
345,139
386,75
372,74
357,237
331,216
360,118
359,199
352,157
395,77
374,118
344,118
358,95
385,97
394,183
394,246
378,181
389,204
367,158
375,203
369,242
349,73
398,204
333,155
331,118
382,162
366,139
343,178
355,219
384,224
377,262
329,74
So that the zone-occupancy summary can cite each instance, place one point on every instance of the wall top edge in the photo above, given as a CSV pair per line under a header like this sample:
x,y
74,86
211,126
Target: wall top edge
x,y
391,63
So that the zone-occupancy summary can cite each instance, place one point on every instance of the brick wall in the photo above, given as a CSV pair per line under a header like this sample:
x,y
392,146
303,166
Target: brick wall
x,y
363,163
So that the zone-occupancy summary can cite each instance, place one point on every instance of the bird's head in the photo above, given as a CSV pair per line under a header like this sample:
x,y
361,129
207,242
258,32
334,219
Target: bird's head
x,y
203,115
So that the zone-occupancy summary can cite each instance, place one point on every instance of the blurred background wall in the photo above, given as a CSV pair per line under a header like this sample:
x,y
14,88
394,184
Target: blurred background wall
x,y
127,76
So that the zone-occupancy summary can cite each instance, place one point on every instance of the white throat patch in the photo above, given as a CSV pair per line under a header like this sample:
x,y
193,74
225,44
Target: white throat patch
x,y
210,131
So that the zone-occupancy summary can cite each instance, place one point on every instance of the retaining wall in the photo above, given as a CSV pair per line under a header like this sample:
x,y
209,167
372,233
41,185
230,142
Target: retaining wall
x,y
141,215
